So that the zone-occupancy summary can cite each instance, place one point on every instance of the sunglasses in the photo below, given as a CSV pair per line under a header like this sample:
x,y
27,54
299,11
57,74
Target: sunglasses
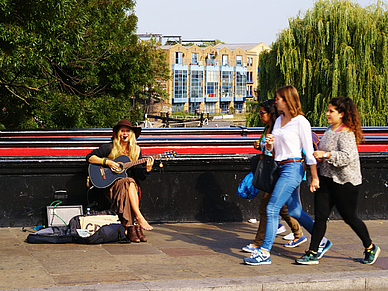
x,y
263,112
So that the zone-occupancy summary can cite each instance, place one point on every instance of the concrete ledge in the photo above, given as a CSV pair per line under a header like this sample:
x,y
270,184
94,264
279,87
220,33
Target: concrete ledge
x,y
188,188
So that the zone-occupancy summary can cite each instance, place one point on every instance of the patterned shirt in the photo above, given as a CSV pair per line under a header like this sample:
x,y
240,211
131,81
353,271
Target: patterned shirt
x,y
264,148
343,166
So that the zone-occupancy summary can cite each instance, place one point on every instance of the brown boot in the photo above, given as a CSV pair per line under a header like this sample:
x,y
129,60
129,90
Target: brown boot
x,y
132,234
140,234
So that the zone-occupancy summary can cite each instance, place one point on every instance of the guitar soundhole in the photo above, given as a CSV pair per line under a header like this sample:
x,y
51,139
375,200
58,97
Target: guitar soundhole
x,y
120,169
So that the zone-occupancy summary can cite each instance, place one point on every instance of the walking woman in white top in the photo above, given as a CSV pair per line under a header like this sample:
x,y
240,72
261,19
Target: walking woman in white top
x,y
291,134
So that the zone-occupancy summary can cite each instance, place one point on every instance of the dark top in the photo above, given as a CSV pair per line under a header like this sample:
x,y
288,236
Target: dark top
x,y
137,172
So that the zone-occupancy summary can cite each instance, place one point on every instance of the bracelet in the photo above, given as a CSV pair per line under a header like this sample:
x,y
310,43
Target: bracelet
x,y
103,161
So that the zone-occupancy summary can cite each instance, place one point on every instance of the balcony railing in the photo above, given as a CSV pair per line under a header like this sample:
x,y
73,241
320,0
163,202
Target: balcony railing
x,y
207,62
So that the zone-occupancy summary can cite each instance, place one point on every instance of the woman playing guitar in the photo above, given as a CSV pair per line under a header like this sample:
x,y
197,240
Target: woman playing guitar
x,y
125,192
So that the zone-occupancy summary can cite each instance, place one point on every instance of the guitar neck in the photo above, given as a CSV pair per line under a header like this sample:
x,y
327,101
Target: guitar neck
x,y
138,162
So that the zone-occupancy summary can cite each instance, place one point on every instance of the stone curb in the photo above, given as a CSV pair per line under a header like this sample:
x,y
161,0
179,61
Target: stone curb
x,y
372,280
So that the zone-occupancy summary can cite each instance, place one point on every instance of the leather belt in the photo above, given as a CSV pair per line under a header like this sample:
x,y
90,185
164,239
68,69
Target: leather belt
x,y
290,161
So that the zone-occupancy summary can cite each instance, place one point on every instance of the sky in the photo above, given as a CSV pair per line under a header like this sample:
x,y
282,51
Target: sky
x,y
231,21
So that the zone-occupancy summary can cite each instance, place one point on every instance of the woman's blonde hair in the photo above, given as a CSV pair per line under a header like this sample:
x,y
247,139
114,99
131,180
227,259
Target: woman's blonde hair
x,y
117,149
291,97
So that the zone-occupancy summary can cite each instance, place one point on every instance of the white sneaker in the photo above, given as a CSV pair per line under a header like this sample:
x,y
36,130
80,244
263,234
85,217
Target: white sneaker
x,y
289,236
281,229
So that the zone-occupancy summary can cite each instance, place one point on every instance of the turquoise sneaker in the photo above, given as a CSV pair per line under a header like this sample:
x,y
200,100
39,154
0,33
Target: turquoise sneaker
x,y
308,259
324,246
371,255
258,258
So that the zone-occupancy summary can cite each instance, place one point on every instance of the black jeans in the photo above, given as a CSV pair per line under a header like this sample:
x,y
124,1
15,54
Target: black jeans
x,y
344,198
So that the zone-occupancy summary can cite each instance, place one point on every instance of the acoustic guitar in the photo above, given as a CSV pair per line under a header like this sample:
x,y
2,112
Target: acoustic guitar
x,y
102,176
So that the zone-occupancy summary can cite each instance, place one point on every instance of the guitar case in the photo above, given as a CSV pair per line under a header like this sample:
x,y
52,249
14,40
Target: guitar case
x,y
114,232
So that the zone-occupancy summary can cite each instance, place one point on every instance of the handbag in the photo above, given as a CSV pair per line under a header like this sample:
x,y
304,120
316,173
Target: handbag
x,y
246,189
266,174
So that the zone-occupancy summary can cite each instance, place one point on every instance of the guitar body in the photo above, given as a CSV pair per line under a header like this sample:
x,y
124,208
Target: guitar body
x,y
103,176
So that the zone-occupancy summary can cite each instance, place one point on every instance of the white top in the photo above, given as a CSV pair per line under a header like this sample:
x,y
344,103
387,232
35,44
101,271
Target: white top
x,y
292,138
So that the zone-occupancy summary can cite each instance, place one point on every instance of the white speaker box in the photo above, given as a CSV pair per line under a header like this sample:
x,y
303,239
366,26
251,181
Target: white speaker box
x,y
59,215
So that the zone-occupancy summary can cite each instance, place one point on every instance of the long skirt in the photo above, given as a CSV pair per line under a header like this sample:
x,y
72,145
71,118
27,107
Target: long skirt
x,y
121,204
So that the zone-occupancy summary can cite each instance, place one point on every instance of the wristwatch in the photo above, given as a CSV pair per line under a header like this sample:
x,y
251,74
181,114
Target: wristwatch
x,y
324,155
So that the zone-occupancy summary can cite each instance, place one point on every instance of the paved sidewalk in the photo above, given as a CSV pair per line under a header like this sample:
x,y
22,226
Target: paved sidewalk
x,y
191,256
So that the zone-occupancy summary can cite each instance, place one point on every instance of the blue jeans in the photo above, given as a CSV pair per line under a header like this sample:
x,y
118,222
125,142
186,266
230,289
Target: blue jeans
x,y
286,191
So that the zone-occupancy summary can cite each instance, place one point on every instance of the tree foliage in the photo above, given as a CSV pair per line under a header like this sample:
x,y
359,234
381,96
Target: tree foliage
x,y
73,63
337,48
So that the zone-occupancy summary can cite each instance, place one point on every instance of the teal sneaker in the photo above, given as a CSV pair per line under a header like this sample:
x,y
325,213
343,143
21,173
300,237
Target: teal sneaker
x,y
371,255
324,246
308,259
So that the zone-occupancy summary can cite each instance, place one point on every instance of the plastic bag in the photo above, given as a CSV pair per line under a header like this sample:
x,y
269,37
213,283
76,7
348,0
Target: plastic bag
x,y
246,190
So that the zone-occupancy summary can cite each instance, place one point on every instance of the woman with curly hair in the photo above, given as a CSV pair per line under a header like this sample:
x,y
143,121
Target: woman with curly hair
x,y
340,178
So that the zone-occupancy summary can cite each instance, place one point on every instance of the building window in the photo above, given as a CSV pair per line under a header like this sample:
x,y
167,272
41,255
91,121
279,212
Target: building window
x,y
226,83
224,107
239,61
178,57
177,107
249,77
196,87
249,91
210,107
238,106
212,83
194,58
194,108
180,84
225,60
210,60
241,84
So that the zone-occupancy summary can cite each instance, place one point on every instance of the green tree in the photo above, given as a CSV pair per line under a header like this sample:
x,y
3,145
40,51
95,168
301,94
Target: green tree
x,y
335,49
72,63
